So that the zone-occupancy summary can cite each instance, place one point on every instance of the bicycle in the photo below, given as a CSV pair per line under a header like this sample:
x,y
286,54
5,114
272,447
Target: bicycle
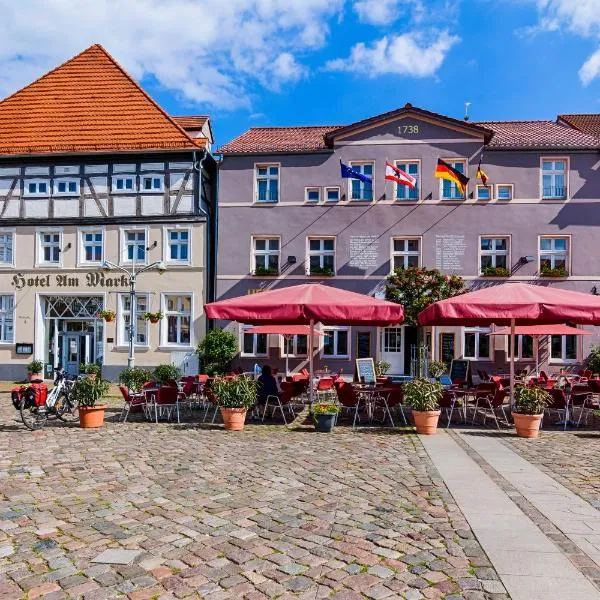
x,y
59,402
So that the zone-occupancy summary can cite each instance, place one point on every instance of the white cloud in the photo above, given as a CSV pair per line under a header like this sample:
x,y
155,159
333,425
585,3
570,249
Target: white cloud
x,y
580,17
385,12
416,54
212,52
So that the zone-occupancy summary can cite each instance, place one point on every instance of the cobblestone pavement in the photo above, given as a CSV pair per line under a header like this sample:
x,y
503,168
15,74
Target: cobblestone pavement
x,y
266,513
572,458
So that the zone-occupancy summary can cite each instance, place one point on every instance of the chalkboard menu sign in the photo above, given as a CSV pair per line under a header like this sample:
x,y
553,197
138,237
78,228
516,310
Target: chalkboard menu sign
x,y
446,347
366,370
460,371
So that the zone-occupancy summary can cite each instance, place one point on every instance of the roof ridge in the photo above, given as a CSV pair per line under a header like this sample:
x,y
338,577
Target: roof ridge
x,y
579,115
521,121
296,126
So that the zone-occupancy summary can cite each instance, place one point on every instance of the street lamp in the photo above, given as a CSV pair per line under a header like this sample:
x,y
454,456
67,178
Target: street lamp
x,y
108,266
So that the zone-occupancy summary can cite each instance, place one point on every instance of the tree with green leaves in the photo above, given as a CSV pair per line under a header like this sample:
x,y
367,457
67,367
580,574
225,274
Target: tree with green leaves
x,y
417,288
217,350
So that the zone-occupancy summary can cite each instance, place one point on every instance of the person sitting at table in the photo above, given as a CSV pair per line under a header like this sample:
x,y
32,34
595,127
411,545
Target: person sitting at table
x,y
267,385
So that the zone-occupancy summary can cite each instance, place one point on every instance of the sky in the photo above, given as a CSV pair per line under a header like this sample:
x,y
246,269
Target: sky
x,y
250,63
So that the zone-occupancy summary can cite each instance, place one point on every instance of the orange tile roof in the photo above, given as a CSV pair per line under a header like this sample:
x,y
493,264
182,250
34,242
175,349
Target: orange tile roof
x,y
87,104
586,123
191,123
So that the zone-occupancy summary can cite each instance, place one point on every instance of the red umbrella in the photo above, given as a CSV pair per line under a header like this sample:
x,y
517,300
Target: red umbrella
x,y
287,331
307,304
514,304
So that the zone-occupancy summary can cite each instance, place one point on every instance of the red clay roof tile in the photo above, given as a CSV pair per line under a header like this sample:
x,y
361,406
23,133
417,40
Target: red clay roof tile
x,y
586,123
87,104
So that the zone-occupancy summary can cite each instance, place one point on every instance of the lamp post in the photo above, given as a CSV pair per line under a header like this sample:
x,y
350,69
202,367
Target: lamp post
x,y
107,266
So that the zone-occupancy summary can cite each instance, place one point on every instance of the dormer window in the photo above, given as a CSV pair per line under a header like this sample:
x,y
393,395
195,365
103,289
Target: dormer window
x,y
36,187
66,187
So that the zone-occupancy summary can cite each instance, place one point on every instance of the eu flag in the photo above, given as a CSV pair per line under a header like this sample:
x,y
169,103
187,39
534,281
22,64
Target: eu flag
x,y
350,173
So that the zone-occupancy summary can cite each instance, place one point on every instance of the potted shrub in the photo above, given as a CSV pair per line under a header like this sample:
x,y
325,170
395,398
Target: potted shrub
x,y
88,393
437,368
134,378
528,410
153,317
107,315
217,350
325,416
495,272
382,368
235,397
92,370
35,370
423,397
163,374
548,271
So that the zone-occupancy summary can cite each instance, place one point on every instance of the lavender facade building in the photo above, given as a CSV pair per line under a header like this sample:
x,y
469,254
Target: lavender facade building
x,y
286,217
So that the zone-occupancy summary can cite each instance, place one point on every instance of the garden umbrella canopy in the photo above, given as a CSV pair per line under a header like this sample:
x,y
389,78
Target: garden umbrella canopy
x,y
523,303
541,330
283,329
301,304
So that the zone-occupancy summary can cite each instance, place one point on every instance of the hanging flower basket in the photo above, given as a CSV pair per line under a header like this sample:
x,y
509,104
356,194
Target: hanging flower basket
x,y
153,317
107,315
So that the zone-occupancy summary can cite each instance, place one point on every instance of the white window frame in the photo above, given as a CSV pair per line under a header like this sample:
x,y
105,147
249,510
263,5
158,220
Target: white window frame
x,y
321,253
152,176
269,178
478,331
28,194
167,245
487,187
267,252
554,173
361,163
4,264
331,188
164,323
40,262
554,253
511,186
452,162
81,259
123,253
406,253
563,360
294,341
67,181
254,353
122,332
398,164
336,354
3,319
312,188
494,252
124,177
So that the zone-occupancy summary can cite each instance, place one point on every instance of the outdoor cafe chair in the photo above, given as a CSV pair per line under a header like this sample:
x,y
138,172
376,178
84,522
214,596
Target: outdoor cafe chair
x,y
448,403
131,401
395,400
490,405
348,398
582,399
558,404
325,388
482,393
280,401
167,402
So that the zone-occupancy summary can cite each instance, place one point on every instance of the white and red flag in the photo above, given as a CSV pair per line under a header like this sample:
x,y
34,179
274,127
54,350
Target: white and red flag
x,y
393,173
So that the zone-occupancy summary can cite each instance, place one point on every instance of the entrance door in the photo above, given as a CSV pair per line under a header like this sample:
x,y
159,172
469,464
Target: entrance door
x,y
392,349
72,353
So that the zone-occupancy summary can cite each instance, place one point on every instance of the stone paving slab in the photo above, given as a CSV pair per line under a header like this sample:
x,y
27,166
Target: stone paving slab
x,y
116,557
267,513
530,557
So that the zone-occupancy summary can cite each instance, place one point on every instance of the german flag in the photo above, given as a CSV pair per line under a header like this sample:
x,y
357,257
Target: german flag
x,y
481,174
445,171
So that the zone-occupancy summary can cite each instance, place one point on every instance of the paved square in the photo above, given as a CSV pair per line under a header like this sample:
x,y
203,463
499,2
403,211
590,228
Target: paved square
x,y
266,513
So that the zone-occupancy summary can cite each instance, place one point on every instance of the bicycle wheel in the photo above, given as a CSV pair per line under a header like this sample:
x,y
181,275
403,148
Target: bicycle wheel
x,y
32,417
66,409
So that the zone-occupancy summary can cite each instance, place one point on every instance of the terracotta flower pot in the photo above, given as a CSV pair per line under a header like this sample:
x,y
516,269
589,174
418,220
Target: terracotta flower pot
x,y
91,416
234,418
154,320
528,426
35,376
426,421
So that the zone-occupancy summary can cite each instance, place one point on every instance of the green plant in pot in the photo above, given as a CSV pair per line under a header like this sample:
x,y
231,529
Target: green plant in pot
x,y
437,368
107,315
92,370
382,368
325,416
235,397
88,394
134,378
217,350
528,410
423,397
165,374
35,370
153,317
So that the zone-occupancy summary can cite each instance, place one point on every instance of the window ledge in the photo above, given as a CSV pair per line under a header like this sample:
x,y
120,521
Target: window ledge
x,y
164,348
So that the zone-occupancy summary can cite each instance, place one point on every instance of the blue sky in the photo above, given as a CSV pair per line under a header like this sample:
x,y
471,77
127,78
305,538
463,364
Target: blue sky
x,y
293,62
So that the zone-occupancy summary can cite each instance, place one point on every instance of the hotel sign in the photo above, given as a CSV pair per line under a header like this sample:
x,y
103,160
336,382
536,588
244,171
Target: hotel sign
x,y
90,280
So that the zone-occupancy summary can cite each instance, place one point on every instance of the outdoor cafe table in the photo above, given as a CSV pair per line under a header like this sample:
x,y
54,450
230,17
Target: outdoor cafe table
x,y
370,396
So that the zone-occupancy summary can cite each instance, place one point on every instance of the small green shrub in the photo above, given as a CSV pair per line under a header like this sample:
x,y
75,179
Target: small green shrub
x,y
35,366
217,350
90,369
240,392
381,368
165,373
134,378
88,392
422,395
437,368
531,400
592,362
495,272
